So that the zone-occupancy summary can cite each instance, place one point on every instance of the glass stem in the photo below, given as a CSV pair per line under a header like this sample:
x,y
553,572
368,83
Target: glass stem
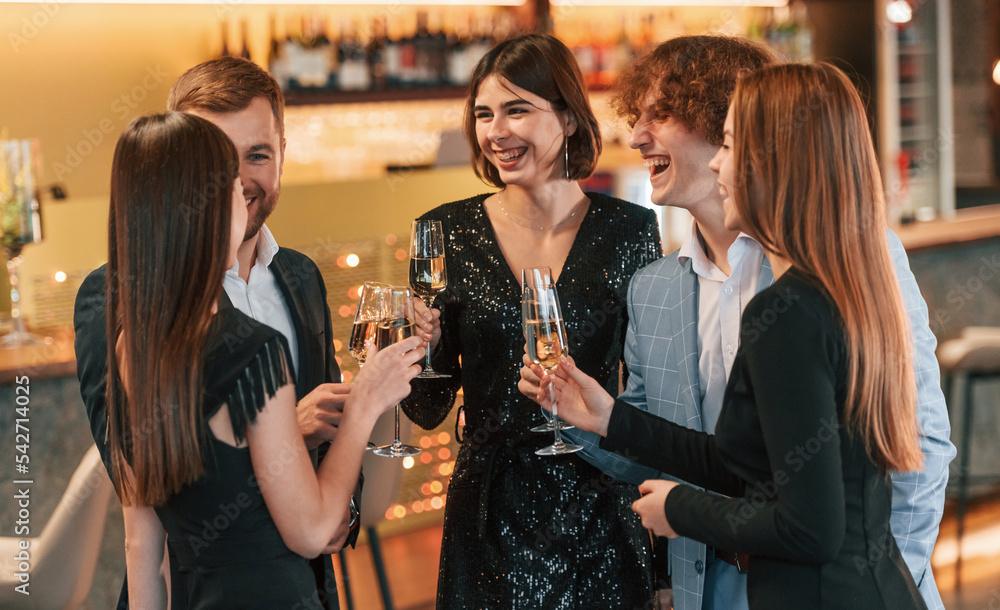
x,y
397,441
555,415
427,355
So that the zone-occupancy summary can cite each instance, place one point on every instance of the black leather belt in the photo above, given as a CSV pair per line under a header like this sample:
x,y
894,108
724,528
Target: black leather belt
x,y
740,561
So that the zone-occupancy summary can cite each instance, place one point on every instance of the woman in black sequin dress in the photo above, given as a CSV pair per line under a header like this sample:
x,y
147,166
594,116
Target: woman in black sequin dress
x,y
522,530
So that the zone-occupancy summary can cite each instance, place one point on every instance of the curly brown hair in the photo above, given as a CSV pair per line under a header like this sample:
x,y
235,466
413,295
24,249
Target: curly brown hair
x,y
696,76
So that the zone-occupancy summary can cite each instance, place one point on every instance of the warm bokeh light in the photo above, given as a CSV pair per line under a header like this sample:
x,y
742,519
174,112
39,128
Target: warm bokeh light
x,y
437,502
347,375
353,260
996,72
436,487
417,507
338,345
341,261
426,489
444,453
408,462
427,504
391,239
425,442
399,511
444,438
426,458
899,11
354,292
345,311
60,276
401,255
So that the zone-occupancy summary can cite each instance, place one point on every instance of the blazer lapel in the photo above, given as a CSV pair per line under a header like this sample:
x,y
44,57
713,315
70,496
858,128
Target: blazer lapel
x,y
299,312
685,343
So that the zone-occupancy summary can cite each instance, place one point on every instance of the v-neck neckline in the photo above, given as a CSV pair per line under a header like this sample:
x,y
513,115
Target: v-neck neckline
x,y
569,263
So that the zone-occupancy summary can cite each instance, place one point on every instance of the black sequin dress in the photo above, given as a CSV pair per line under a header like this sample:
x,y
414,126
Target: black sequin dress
x,y
522,530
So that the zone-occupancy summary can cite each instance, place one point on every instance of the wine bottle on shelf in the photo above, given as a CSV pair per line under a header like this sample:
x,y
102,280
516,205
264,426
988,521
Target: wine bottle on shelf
x,y
408,59
277,62
423,48
377,55
354,74
245,51
393,56
224,31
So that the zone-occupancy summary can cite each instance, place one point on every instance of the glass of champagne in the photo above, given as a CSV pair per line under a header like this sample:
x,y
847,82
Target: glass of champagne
x,y
373,301
428,276
530,277
545,336
394,327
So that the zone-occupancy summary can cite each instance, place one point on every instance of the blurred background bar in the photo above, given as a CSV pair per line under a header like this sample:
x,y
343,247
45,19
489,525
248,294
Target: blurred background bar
x,y
375,97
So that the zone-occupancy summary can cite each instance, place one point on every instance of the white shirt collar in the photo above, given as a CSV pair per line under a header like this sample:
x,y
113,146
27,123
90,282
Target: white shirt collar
x,y
692,249
266,249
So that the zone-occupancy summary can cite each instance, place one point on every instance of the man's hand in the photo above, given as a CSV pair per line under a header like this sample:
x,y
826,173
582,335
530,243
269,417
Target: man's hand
x,y
319,412
650,507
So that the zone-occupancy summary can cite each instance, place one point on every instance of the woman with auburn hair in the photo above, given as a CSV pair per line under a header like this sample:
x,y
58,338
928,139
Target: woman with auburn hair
x,y
820,404
523,530
203,433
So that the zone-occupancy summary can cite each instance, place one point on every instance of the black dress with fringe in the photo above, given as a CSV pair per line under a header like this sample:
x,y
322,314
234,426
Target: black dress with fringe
x,y
230,552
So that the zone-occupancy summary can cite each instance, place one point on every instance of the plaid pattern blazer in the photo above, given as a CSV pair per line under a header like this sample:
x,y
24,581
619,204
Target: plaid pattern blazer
x,y
661,355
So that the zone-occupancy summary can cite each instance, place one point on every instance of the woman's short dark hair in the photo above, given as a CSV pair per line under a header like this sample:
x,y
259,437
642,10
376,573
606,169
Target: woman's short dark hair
x,y
544,66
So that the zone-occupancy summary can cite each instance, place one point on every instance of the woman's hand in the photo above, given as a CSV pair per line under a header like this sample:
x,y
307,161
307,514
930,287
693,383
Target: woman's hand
x,y
385,378
650,507
530,383
428,323
581,401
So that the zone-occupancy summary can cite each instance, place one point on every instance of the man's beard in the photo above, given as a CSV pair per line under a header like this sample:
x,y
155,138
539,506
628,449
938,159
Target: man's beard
x,y
264,209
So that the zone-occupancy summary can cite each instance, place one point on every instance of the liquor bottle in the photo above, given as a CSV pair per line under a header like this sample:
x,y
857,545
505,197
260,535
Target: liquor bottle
x,y
245,51
354,74
224,30
423,48
277,62
393,56
377,56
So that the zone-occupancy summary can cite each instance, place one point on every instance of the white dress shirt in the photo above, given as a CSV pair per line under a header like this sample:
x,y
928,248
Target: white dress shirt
x,y
261,297
721,301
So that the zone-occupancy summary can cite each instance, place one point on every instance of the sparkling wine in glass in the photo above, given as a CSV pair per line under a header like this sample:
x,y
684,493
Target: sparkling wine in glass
x,y
428,275
545,336
532,277
374,300
396,325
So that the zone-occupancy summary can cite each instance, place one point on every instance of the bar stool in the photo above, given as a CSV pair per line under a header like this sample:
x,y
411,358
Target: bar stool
x,y
973,356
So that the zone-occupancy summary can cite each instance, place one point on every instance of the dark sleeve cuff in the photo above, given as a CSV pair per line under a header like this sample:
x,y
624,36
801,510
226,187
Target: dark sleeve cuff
x,y
619,438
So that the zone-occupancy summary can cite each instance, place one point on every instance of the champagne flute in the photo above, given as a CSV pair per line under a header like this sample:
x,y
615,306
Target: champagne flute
x,y
531,277
394,327
428,276
372,306
545,335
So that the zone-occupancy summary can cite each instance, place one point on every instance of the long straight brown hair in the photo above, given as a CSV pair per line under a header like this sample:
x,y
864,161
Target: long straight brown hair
x,y
168,243
811,193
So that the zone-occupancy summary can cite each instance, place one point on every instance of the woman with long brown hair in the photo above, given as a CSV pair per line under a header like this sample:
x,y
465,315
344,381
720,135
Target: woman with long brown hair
x,y
202,424
820,404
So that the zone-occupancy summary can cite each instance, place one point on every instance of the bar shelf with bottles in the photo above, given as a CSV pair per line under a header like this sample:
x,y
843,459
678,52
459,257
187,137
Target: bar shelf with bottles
x,y
430,54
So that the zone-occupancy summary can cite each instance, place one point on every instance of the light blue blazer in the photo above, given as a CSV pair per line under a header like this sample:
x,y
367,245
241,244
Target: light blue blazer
x,y
661,353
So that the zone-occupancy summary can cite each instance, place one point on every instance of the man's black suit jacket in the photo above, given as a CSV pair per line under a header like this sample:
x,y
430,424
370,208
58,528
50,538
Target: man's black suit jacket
x,y
305,293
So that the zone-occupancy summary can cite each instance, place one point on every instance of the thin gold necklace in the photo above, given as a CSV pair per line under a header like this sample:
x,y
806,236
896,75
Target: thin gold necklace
x,y
515,221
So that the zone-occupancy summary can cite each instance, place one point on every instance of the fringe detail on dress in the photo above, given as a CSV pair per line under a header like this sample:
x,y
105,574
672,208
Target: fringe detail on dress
x,y
259,381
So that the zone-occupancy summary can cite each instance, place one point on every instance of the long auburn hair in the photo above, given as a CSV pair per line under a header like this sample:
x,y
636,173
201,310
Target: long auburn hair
x,y
543,65
168,244
808,189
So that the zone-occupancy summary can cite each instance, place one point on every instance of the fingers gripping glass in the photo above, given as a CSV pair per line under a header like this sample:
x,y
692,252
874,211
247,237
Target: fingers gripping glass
x,y
371,309
428,276
393,328
545,337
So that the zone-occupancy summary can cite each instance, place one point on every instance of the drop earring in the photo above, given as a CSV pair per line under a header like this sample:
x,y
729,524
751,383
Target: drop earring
x,y
566,156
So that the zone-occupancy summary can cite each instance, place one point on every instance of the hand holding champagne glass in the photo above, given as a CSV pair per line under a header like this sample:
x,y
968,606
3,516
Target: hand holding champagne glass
x,y
545,336
396,325
428,276
371,310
